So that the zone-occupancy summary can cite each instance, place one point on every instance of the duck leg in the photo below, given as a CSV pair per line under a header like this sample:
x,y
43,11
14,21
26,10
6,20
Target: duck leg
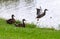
x,y
37,19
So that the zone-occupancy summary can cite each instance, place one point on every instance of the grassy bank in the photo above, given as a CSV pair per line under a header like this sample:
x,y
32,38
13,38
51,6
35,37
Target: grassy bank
x,y
8,31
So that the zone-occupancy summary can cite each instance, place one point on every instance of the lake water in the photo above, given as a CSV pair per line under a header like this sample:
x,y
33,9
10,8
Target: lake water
x,y
27,9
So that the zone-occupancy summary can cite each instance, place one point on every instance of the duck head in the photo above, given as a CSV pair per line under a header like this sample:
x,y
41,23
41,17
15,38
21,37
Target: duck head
x,y
13,15
23,20
46,10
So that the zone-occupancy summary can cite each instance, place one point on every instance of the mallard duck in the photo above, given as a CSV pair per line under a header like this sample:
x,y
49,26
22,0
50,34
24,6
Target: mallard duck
x,y
21,24
11,21
41,15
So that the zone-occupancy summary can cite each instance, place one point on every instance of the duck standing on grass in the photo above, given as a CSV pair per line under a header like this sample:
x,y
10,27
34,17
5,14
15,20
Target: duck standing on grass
x,y
11,21
21,24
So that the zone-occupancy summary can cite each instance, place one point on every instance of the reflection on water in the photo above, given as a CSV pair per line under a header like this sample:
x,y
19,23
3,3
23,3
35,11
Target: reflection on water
x,y
8,3
29,1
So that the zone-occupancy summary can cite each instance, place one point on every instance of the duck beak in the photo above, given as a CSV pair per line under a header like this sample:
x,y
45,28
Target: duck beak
x,y
25,19
14,16
47,10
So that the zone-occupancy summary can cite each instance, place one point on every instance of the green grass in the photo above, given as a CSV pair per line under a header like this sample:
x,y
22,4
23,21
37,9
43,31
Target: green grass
x,y
8,31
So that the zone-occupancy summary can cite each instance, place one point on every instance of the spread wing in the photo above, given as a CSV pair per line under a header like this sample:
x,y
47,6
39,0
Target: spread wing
x,y
39,11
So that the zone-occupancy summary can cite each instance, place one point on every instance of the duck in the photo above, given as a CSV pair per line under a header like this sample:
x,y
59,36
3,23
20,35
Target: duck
x,y
21,24
12,20
41,15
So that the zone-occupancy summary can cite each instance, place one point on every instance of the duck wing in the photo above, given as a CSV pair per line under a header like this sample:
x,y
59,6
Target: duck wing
x,y
9,21
41,15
